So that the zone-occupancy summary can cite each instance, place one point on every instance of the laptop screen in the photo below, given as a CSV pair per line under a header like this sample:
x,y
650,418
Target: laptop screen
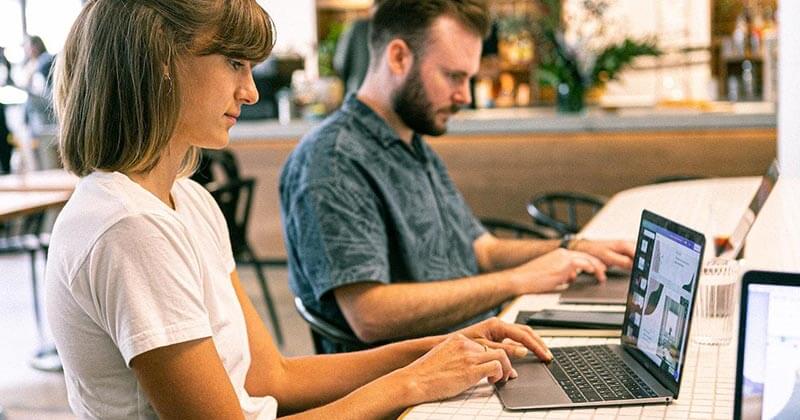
x,y
730,247
661,296
768,373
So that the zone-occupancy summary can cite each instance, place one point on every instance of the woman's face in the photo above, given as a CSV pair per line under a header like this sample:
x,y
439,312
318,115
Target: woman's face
x,y
213,89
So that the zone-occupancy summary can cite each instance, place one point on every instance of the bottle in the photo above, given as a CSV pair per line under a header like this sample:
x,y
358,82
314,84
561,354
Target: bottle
x,y
756,33
770,49
739,36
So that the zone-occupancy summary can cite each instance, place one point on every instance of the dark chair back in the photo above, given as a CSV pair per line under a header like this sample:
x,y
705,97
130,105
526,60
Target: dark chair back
x,y
216,167
235,198
564,212
508,229
219,173
320,327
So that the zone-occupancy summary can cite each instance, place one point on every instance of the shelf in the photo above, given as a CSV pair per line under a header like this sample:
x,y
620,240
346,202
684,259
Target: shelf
x,y
344,4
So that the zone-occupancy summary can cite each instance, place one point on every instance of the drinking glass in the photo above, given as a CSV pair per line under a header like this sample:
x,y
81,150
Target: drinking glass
x,y
714,309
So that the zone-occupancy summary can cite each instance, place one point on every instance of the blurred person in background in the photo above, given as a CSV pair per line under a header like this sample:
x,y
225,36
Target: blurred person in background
x,y
35,79
351,58
5,133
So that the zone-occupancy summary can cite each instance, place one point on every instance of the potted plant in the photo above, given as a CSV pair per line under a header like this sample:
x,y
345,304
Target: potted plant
x,y
583,59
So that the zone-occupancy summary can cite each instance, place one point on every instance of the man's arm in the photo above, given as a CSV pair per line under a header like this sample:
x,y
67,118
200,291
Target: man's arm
x,y
379,311
495,253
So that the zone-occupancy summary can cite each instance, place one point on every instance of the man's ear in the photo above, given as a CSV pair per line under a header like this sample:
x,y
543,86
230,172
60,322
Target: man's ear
x,y
399,58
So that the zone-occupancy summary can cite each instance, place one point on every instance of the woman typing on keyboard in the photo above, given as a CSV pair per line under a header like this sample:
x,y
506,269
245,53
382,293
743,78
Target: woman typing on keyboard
x,y
143,297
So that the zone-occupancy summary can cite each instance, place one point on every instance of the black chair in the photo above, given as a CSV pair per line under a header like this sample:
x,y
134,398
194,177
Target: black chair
x,y
507,229
564,212
322,328
234,196
24,235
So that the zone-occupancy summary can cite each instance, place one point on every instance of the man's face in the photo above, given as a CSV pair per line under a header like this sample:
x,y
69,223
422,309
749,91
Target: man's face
x,y
437,85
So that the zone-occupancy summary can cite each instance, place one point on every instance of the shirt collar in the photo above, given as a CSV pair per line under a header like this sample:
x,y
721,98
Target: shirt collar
x,y
370,119
380,130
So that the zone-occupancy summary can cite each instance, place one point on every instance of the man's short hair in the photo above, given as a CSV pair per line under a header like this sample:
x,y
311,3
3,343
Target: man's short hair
x,y
117,90
410,20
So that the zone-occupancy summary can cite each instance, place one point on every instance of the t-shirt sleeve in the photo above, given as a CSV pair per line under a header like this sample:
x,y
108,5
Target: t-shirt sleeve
x,y
340,236
217,223
145,280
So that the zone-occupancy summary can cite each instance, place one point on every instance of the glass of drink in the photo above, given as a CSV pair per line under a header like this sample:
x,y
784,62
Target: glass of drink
x,y
715,306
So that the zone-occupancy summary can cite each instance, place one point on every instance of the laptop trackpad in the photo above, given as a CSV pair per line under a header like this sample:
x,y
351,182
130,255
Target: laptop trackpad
x,y
534,386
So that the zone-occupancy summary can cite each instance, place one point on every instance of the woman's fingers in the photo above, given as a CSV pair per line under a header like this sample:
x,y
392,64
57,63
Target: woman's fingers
x,y
492,370
522,334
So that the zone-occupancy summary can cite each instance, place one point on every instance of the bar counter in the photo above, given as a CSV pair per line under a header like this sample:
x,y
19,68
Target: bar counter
x,y
500,158
541,120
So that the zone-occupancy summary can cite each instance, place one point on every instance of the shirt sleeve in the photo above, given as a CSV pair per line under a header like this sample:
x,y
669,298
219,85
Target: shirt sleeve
x,y
463,213
146,282
339,228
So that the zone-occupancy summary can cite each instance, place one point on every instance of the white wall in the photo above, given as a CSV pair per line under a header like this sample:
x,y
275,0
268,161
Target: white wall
x,y
295,21
789,88
676,23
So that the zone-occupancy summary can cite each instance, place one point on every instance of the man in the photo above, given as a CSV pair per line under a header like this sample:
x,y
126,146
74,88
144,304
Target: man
x,y
379,239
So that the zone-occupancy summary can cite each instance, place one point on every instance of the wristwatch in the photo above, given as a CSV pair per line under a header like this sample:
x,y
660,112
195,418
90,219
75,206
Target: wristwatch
x,y
566,241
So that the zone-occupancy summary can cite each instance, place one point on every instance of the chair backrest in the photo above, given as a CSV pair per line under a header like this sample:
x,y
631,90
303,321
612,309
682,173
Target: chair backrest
x,y
324,328
508,229
564,212
235,198
216,167
22,233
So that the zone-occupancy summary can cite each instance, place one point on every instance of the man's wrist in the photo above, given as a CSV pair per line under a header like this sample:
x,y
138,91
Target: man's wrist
x,y
570,241
567,241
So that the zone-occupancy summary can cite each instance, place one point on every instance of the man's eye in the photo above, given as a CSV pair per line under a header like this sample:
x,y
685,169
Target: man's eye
x,y
236,64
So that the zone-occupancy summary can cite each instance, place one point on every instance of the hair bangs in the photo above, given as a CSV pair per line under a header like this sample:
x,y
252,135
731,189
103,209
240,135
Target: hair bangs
x,y
244,30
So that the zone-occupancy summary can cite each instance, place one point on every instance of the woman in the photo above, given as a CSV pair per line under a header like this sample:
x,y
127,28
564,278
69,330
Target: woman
x,y
146,308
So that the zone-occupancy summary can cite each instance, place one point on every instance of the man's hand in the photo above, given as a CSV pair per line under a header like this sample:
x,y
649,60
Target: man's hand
x,y
611,253
552,270
514,339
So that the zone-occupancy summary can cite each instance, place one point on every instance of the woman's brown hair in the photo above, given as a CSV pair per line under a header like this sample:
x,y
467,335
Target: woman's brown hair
x,y
117,96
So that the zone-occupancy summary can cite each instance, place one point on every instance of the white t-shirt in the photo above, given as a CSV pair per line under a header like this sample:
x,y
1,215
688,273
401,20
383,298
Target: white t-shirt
x,y
127,274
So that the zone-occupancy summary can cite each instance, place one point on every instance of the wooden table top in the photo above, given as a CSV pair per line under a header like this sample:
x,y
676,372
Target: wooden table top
x,y
15,204
47,180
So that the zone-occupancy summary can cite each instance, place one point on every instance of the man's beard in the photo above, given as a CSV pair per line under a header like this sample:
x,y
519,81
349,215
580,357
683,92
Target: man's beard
x,y
411,104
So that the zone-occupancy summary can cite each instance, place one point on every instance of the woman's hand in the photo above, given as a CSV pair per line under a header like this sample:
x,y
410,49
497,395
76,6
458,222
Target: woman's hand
x,y
514,339
451,367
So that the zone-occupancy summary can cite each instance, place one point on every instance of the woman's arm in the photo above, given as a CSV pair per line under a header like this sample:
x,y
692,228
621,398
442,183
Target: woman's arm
x,y
187,381
379,382
305,382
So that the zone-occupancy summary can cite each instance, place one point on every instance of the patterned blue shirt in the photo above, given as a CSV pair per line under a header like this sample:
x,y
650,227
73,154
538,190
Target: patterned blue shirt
x,y
360,205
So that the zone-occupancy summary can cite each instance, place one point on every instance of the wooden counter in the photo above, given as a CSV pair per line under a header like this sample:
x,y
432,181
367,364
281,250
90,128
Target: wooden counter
x,y
499,171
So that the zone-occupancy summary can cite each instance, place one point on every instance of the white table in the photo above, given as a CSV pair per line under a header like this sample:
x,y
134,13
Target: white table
x,y
707,386
46,180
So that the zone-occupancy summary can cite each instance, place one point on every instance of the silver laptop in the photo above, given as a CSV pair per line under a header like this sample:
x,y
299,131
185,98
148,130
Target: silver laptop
x,y
586,289
768,369
646,366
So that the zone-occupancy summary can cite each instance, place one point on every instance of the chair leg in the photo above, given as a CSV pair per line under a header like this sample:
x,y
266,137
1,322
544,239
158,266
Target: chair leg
x,y
273,315
318,346
37,312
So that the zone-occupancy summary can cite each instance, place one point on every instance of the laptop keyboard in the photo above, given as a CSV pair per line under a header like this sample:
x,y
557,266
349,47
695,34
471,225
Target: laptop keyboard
x,y
596,373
